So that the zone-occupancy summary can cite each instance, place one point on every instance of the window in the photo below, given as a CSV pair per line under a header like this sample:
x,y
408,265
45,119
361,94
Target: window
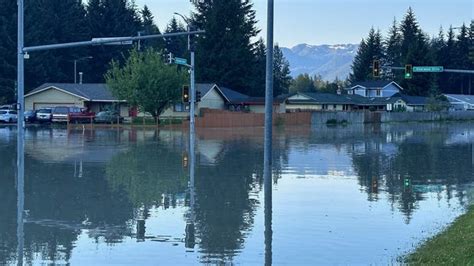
x,y
181,107
325,106
334,107
379,92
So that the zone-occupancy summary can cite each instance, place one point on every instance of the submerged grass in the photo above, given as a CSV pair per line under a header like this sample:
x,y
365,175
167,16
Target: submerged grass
x,y
454,246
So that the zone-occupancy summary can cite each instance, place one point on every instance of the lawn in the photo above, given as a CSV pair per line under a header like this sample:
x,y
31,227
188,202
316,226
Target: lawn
x,y
454,246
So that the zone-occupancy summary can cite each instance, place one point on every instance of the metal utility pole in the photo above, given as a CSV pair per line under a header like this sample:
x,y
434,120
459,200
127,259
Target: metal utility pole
x,y
20,134
192,100
267,161
75,66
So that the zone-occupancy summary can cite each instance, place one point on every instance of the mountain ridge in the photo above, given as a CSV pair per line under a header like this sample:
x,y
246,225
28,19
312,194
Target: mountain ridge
x,y
328,60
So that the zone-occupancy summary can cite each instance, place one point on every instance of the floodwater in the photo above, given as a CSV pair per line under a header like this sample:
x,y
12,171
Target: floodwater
x,y
341,195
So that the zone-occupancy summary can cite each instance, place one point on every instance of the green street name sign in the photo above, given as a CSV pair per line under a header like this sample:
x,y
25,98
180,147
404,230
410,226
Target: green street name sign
x,y
180,61
428,69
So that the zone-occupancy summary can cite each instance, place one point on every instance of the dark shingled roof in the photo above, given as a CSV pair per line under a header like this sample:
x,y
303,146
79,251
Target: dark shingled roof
x,y
204,88
414,100
89,91
233,96
372,83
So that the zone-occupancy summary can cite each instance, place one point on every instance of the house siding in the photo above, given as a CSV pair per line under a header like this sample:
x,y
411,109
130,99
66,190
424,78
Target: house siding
x,y
51,98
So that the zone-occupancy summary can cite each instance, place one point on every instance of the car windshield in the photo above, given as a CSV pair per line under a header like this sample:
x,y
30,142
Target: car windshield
x,y
61,110
45,111
3,112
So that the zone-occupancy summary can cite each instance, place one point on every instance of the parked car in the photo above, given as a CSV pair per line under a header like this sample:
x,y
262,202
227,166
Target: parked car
x,y
44,115
30,116
62,114
108,117
8,116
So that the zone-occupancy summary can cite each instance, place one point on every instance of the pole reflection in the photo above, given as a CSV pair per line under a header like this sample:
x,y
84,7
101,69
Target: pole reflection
x,y
190,230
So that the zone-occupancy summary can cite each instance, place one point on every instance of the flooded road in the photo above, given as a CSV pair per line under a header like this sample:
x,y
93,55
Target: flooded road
x,y
341,195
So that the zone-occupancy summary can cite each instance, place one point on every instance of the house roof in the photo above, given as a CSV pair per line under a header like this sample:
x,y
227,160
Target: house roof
x,y
469,99
204,88
233,96
373,84
89,91
329,98
414,100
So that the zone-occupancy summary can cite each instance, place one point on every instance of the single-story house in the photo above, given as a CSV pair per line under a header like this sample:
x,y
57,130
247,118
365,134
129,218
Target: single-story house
x,y
460,102
310,101
95,97
374,88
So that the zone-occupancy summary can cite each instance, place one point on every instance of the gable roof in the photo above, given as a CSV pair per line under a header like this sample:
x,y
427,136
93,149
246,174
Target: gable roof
x,y
374,84
469,99
88,91
414,100
204,88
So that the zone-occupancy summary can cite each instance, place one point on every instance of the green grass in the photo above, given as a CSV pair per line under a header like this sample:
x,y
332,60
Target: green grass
x,y
454,246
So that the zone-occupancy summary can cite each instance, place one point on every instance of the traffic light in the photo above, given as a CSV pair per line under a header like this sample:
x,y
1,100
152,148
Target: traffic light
x,y
185,160
191,39
170,58
185,94
198,96
408,71
376,68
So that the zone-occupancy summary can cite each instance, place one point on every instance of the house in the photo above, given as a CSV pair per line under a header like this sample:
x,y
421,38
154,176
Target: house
x,y
375,88
460,102
310,101
95,97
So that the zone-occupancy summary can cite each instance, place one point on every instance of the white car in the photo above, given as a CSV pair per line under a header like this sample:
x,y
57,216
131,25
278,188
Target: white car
x,y
8,116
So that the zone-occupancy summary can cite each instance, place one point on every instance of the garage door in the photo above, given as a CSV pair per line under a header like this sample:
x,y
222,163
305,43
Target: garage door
x,y
38,106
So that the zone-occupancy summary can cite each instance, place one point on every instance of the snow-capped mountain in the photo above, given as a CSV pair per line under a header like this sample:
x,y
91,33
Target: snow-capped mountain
x,y
329,61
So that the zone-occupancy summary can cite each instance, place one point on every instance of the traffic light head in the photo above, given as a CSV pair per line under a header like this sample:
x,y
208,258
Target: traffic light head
x,y
408,71
376,68
198,96
185,94
170,58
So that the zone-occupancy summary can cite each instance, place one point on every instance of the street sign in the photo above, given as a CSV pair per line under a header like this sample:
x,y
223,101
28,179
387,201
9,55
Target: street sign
x,y
180,61
429,69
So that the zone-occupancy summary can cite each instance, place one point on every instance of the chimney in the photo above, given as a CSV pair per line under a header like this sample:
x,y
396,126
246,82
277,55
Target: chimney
x,y
339,91
80,77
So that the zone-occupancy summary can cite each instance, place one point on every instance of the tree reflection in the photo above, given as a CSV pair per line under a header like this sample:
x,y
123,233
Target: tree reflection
x,y
407,168
225,208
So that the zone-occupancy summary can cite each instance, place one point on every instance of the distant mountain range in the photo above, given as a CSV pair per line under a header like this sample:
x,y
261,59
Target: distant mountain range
x,y
329,61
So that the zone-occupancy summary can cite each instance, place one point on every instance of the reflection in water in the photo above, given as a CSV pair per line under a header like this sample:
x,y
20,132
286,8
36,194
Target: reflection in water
x,y
100,192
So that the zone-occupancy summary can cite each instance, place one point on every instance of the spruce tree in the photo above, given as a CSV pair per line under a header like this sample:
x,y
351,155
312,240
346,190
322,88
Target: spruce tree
x,y
225,53
462,58
259,68
370,49
7,46
150,28
415,51
281,73
109,18
393,51
176,45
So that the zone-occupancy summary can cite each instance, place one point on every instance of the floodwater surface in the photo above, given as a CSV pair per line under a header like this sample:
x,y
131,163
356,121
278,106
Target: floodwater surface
x,y
341,195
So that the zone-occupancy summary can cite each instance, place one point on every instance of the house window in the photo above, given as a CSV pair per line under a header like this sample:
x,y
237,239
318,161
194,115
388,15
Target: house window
x,y
325,106
366,93
334,107
379,92
181,107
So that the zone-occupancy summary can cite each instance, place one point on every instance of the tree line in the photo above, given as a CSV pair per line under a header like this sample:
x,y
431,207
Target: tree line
x,y
406,43
227,54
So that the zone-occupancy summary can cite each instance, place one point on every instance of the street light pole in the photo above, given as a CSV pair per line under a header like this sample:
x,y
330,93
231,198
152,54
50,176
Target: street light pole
x,y
20,133
192,108
267,161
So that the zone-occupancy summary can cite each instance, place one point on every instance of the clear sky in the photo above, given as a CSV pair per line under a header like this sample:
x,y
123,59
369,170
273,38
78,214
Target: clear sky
x,y
336,21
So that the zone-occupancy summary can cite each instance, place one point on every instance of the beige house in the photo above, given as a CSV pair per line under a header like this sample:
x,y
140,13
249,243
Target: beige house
x,y
95,97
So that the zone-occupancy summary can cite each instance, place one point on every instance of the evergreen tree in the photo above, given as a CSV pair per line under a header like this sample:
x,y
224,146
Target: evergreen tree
x,y
259,68
462,58
281,73
225,52
176,45
150,28
415,50
7,47
393,50
109,18
370,49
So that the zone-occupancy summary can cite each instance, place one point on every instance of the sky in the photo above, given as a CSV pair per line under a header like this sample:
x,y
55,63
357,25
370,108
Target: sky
x,y
336,21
